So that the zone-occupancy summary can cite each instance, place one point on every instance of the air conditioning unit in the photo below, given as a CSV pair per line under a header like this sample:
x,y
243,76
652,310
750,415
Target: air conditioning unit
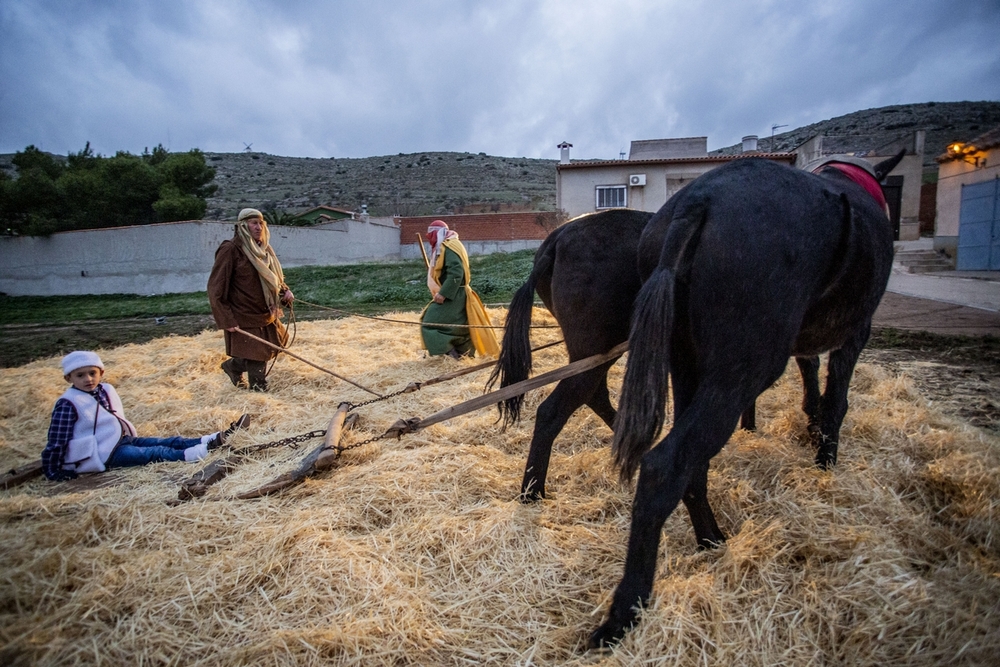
x,y
637,180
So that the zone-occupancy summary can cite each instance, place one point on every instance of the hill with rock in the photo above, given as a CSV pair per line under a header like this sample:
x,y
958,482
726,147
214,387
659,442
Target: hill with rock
x,y
451,182
443,182
944,122
402,184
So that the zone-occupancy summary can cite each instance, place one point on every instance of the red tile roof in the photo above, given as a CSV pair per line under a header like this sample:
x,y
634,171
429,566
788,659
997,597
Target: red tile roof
x,y
790,157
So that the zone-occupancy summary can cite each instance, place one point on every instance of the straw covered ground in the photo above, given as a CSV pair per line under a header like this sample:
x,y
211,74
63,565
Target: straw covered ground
x,y
416,552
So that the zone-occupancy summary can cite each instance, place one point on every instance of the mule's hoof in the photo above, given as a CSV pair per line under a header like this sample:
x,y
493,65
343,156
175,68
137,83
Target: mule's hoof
x,y
711,543
607,636
826,460
530,497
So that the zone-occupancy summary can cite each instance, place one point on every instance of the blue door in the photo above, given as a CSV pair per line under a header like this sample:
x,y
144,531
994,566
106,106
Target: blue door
x,y
979,227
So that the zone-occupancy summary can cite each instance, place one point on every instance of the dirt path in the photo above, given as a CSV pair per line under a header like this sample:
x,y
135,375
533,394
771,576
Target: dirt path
x,y
912,314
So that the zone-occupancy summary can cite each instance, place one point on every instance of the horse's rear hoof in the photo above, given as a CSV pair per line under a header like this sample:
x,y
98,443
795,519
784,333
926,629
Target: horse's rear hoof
x,y
605,637
613,629
530,497
825,459
713,543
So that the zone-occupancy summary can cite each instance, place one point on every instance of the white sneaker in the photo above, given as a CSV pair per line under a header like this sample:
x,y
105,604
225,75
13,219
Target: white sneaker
x,y
196,453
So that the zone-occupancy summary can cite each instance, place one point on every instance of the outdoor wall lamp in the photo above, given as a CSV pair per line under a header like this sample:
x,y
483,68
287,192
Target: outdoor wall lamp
x,y
964,152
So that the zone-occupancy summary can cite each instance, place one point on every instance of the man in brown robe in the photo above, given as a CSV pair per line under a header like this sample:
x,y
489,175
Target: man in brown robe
x,y
246,290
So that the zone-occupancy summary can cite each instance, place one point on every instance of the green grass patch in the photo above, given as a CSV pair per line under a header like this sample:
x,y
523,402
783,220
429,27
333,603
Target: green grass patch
x,y
62,309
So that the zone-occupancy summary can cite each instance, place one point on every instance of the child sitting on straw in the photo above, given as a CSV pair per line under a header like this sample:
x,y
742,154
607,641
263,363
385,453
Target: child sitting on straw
x,y
89,432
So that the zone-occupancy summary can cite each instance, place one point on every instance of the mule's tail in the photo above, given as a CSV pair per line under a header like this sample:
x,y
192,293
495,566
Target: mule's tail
x,y
641,408
514,363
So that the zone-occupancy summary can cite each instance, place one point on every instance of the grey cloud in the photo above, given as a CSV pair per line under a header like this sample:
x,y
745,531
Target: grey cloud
x,y
511,78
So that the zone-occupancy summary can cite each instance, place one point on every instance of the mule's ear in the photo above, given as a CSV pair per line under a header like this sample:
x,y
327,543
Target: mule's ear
x,y
883,168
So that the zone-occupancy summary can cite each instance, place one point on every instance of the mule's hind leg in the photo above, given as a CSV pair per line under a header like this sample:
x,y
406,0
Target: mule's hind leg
x,y
550,419
600,402
685,383
809,369
833,405
665,474
706,530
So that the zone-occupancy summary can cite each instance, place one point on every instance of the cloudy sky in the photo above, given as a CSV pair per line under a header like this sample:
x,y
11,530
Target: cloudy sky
x,y
347,78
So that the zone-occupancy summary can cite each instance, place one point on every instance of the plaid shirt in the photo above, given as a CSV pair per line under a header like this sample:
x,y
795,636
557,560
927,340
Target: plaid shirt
x,y
61,432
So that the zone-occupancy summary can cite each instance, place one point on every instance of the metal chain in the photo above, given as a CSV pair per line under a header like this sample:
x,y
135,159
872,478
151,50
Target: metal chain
x,y
296,439
341,450
351,407
293,441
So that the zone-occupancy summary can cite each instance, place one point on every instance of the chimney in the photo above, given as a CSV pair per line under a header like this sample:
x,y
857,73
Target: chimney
x,y
750,143
564,152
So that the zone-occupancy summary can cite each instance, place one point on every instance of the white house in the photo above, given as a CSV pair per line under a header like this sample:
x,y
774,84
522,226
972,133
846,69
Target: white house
x,y
654,170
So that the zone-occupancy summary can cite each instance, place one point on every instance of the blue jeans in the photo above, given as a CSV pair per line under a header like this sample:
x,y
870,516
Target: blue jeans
x,y
140,451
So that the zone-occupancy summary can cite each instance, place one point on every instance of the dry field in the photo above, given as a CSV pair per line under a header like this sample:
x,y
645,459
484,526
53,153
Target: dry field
x,y
416,552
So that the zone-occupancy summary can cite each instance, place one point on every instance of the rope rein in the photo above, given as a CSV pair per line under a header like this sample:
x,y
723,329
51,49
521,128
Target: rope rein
x,y
400,428
417,322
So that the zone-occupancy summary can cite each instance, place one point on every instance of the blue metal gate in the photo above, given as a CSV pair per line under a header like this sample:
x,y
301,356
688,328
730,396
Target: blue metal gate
x,y
979,227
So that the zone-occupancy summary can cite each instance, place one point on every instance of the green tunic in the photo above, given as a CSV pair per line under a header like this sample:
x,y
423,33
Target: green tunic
x,y
439,340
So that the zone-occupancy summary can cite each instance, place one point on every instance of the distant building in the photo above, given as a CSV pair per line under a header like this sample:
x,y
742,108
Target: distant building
x,y
321,214
481,234
967,225
654,170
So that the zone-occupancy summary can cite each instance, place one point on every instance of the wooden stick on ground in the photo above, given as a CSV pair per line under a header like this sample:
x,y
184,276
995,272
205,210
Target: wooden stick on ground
x,y
318,459
18,476
197,485
306,361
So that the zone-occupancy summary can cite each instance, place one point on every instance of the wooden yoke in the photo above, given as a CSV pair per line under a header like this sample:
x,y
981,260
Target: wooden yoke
x,y
321,458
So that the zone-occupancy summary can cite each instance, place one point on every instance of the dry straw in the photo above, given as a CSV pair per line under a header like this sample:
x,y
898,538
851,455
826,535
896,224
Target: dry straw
x,y
416,551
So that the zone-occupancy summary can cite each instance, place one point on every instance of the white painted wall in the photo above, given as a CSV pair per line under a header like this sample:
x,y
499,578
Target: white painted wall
x,y
576,185
171,257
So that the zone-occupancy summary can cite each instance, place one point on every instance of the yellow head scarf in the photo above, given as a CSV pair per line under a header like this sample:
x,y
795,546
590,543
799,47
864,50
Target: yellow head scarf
x,y
261,256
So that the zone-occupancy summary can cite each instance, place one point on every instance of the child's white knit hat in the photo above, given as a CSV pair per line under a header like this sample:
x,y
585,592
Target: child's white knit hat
x,y
79,359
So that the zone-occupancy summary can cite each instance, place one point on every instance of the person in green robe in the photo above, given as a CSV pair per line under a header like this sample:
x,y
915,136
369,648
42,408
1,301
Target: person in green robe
x,y
446,280
454,301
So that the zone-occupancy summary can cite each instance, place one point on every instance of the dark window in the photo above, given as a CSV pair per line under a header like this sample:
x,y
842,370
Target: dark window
x,y
611,196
